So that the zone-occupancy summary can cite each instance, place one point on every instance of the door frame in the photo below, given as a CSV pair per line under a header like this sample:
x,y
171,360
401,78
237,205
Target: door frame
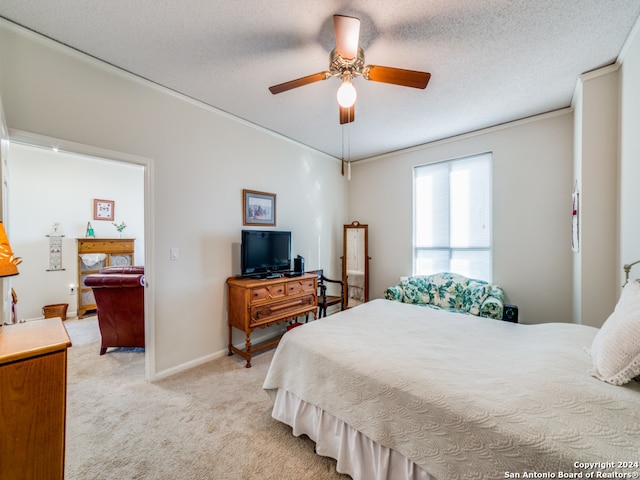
x,y
148,165
5,283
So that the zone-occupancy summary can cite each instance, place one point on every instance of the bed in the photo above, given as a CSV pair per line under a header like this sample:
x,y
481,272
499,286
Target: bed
x,y
400,391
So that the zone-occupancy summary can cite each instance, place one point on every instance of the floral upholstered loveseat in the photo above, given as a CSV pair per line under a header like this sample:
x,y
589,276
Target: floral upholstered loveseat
x,y
450,291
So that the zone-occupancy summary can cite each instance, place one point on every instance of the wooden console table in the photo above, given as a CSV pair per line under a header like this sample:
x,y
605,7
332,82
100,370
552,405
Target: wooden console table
x,y
33,386
260,303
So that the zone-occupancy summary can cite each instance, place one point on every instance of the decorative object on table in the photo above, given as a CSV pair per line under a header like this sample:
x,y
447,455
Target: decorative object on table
x,y
14,302
55,249
120,227
90,232
8,263
103,209
258,208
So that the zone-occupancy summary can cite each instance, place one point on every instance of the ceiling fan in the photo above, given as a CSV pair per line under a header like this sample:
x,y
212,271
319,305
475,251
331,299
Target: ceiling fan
x,y
346,62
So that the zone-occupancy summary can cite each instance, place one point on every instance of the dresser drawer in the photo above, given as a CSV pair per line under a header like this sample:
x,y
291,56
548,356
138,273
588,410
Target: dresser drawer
x,y
105,246
274,310
301,286
308,285
270,292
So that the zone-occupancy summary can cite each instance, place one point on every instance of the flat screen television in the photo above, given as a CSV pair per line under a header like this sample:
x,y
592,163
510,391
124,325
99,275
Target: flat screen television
x,y
265,252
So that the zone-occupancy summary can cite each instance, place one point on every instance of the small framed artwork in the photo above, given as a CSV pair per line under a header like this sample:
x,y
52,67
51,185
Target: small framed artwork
x,y
103,209
258,208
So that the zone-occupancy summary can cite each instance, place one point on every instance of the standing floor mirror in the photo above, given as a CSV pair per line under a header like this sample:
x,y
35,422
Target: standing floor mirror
x,y
355,264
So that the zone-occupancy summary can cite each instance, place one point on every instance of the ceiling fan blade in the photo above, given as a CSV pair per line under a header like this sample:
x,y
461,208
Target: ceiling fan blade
x,y
299,82
347,115
347,30
397,76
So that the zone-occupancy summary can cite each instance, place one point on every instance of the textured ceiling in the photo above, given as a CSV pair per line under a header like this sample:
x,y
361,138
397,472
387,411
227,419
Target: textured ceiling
x,y
491,61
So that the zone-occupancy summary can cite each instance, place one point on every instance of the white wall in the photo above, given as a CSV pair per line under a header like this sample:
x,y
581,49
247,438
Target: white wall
x,y
630,153
201,161
596,284
48,187
532,184
607,166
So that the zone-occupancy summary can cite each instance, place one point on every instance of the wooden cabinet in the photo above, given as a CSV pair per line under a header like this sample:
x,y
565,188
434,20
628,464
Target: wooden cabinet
x,y
33,396
255,303
97,253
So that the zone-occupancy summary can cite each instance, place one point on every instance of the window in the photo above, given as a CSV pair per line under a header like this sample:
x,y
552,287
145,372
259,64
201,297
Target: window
x,y
452,222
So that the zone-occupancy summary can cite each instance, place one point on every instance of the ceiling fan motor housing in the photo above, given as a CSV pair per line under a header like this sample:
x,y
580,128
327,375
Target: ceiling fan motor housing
x,y
339,65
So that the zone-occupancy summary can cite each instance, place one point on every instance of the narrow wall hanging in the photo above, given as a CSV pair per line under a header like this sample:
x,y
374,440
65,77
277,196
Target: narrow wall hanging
x,y
575,219
55,249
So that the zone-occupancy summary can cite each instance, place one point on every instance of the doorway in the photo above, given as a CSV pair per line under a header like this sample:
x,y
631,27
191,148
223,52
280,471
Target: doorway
x,y
52,186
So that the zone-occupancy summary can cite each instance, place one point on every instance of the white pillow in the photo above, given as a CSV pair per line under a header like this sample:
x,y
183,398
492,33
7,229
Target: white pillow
x,y
616,347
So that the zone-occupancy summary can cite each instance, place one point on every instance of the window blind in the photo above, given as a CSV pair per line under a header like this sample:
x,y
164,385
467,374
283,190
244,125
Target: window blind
x,y
452,217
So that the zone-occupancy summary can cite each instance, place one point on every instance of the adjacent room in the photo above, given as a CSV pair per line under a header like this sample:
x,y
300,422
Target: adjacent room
x,y
430,279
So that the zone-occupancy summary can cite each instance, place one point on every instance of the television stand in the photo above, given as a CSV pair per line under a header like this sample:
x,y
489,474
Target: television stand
x,y
258,303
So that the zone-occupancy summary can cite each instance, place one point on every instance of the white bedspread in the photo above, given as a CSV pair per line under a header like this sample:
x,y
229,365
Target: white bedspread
x,y
461,396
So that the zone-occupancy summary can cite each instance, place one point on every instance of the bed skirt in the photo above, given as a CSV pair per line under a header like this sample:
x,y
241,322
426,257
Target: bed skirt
x,y
356,454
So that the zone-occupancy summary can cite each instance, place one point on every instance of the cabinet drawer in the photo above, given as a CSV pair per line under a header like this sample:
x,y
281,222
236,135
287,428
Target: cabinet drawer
x,y
267,293
105,246
301,286
308,285
275,310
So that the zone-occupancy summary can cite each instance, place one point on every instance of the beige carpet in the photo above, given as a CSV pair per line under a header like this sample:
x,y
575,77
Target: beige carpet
x,y
212,422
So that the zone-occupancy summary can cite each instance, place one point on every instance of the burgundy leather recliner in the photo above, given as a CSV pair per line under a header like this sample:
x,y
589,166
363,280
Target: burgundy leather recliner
x,y
119,294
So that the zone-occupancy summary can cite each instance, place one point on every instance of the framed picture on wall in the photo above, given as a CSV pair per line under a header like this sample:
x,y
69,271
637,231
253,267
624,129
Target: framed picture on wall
x,y
258,208
103,209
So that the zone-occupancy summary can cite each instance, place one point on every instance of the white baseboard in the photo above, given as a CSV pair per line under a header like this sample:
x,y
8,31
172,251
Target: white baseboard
x,y
213,356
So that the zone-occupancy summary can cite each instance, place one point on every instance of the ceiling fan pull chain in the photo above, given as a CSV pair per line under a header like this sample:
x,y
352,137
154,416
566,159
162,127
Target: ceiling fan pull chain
x,y
349,151
342,132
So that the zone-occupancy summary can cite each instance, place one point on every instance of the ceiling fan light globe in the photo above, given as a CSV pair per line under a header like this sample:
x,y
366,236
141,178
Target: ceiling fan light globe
x,y
346,95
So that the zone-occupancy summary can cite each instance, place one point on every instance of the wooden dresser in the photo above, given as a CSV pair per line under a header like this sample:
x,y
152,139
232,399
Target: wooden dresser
x,y
257,303
33,399
97,253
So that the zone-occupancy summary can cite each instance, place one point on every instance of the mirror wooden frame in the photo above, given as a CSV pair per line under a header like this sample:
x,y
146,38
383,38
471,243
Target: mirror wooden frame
x,y
357,291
